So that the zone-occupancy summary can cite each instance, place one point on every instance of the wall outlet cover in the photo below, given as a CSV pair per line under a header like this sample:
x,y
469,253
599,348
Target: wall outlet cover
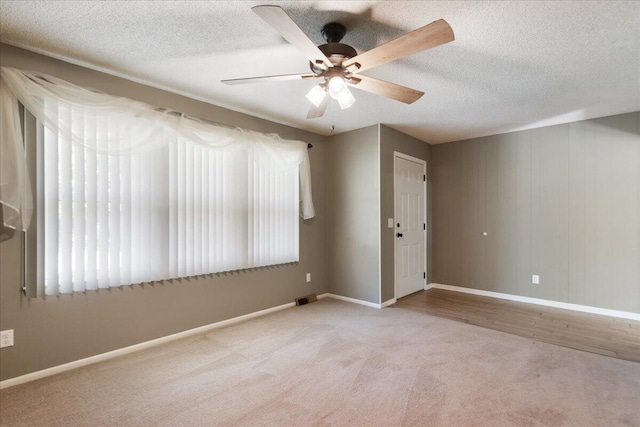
x,y
6,338
389,222
535,279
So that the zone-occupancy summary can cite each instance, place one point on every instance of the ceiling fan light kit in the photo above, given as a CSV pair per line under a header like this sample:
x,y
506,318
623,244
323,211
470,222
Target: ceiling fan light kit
x,y
339,64
316,95
339,91
336,87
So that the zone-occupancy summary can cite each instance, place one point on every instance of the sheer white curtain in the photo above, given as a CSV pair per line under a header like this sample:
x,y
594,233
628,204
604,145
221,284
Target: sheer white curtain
x,y
15,189
131,194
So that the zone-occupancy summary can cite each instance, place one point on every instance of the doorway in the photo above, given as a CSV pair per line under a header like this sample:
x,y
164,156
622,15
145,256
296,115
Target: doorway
x,y
410,195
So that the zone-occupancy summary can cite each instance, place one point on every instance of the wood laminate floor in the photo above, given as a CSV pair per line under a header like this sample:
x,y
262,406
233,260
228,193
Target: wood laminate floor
x,y
609,336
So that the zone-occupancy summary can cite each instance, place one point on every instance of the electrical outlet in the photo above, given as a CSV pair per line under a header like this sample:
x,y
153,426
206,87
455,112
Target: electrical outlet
x,y
535,279
6,338
308,277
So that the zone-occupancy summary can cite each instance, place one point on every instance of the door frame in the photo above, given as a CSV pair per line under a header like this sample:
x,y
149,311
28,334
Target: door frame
x,y
397,155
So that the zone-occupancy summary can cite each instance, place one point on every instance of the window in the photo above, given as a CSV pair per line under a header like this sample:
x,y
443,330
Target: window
x,y
112,210
175,211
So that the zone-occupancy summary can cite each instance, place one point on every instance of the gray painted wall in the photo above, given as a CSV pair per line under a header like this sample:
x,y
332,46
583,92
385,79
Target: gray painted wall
x,y
359,187
391,140
353,214
55,330
562,202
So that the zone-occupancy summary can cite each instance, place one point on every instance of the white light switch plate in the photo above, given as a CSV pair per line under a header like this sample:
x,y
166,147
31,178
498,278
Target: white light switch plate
x,y
390,222
535,279
308,277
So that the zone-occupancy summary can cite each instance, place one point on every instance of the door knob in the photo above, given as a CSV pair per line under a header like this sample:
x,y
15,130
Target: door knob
x,y
399,234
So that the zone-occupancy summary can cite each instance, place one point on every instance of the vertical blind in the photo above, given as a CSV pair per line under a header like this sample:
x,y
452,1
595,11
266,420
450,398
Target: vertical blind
x,y
103,215
127,194
178,210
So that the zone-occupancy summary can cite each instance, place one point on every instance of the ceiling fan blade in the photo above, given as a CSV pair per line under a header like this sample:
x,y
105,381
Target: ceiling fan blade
x,y
431,35
262,79
315,112
281,22
390,90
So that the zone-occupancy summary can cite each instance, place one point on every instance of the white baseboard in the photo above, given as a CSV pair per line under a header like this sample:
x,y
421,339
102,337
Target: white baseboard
x,y
355,301
359,301
388,302
538,301
137,347
152,343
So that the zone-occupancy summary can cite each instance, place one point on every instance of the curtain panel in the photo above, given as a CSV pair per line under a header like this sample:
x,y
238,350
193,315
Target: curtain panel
x,y
43,95
129,193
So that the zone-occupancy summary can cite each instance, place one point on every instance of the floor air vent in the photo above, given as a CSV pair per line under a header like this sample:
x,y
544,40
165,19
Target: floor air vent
x,y
306,300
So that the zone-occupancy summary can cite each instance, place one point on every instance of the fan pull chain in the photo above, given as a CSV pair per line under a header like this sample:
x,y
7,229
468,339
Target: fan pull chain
x,y
332,117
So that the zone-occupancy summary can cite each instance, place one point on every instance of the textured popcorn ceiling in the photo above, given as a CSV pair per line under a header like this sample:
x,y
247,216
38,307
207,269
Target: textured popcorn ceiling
x,y
513,65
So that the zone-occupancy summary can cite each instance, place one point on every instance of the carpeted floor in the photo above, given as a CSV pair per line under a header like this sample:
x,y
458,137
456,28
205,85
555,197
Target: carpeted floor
x,y
336,363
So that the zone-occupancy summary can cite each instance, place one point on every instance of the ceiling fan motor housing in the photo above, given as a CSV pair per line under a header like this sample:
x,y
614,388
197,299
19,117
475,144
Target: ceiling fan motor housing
x,y
335,51
333,32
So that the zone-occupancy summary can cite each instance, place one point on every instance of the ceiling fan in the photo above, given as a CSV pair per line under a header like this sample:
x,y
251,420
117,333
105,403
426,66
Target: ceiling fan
x,y
339,65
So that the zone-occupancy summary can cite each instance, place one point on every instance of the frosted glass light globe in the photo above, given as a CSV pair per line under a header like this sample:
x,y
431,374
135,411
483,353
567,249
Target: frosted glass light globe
x,y
316,95
336,86
339,91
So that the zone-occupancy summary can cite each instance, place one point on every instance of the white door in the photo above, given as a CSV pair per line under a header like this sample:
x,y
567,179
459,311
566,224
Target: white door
x,y
410,224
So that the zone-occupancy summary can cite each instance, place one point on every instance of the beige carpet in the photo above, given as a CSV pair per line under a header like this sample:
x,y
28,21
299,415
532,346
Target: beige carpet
x,y
336,363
